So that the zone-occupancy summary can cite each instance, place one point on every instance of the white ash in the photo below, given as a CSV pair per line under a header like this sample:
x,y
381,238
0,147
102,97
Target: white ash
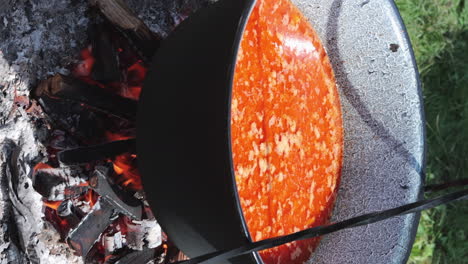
x,y
40,37
70,175
85,206
37,38
113,242
57,192
145,233
153,232
56,251
37,243
71,178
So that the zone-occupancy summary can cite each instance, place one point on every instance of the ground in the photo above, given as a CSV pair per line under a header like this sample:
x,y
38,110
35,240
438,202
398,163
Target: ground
x,y
439,33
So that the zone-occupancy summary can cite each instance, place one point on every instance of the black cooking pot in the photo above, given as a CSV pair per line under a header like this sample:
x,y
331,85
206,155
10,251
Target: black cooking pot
x,y
184,141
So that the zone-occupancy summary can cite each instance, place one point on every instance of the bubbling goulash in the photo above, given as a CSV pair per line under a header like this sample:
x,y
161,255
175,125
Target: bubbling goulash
x,y
286,127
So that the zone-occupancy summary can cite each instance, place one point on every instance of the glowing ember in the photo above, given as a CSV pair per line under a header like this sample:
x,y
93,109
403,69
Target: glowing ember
x,y
114,136
125,172
41,166
84,68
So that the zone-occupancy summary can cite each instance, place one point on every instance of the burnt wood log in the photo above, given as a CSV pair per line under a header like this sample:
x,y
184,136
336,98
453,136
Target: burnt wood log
x,y
89,230
73,89
134,29
106,66
123,203
56,184
104,212
45,184
81,123
97,152
68,212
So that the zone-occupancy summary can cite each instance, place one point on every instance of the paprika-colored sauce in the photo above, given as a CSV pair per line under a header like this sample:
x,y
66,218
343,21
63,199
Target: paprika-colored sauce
x,y
286,126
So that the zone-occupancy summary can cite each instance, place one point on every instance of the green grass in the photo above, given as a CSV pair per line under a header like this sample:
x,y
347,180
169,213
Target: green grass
x,y
439,33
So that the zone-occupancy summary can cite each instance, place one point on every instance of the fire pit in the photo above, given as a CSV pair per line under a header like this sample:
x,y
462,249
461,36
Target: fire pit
x,y
70,185
78,190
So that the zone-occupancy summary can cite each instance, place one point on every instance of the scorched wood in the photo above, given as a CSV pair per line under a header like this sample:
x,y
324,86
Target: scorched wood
x,y
70,88
56,184
97,152
118,13
139,256
129,206
106,67
91,227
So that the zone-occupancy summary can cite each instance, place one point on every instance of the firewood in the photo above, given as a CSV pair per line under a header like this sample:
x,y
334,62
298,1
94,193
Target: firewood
x,y
91,227
106,67
134,29
97,152
67,87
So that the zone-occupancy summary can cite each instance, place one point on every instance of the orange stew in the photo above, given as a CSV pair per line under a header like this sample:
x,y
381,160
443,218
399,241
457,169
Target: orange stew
x,y
287,136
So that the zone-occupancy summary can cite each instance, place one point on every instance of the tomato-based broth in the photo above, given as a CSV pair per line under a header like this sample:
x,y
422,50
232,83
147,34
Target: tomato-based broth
x,y
286,127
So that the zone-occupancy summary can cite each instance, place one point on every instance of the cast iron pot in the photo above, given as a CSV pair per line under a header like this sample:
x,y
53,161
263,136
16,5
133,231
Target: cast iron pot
x,y
184,132
184,129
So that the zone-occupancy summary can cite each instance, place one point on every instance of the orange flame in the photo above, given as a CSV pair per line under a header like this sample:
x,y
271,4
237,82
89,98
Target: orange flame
x,y
117,169
41,166
89,197
52,204
124,167
83,184
106,258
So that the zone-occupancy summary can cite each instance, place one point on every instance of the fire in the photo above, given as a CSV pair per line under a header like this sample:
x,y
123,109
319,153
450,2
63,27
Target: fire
x,y
41,166
90,198
52,204
129,84
128,175
118,170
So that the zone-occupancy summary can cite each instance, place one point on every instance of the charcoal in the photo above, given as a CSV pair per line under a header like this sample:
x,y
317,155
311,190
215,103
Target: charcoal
x,y
98,152
136,32
142,257
121,201
56,184
65,208
106,67
45,183
76,90
70,213
91,227
73,117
